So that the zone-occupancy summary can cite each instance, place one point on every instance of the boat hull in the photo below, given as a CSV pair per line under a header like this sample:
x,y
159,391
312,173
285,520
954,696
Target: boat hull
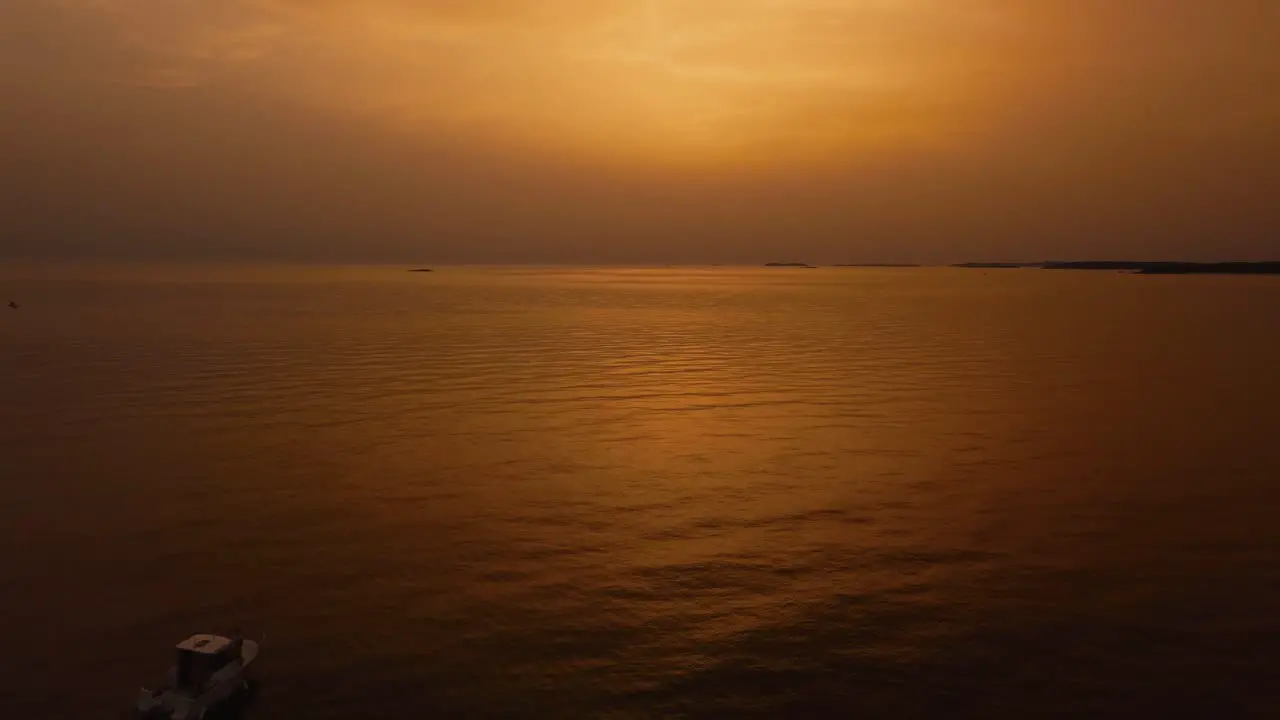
x,y
230,684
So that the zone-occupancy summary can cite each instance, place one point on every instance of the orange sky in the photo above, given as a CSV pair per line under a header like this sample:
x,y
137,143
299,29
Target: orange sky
x,y
639,130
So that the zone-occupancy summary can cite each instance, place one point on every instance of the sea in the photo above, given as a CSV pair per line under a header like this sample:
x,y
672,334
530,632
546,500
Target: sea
x,y
723,492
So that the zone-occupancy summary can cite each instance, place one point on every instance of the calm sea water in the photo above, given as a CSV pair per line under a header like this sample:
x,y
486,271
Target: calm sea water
x,y
642,493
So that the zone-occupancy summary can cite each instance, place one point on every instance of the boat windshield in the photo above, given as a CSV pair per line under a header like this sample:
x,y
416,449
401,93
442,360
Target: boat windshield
x,y
196,668
187,670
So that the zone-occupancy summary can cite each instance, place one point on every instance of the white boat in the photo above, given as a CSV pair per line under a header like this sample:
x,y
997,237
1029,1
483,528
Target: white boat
x,y
211,670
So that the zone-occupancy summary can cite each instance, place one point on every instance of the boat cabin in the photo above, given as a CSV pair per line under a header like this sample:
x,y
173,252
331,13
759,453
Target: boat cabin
x,y
200,657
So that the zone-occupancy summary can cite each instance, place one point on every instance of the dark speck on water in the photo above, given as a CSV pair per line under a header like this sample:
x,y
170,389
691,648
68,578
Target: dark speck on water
x,y
878,493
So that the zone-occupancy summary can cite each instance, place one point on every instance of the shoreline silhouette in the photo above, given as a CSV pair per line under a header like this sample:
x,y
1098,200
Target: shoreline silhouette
x,y
1144,267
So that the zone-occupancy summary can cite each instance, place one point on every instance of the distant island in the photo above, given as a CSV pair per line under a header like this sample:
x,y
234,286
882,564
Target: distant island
x,y
1171,268
877,265
788,264
422,270
995,265
1144,267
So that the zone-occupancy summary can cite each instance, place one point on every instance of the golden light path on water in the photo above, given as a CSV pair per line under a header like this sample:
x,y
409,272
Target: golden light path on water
x,y
639,492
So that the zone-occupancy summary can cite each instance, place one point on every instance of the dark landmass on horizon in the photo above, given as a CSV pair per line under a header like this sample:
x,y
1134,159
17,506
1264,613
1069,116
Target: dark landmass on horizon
x,y
878,265
1143,267
1138,267
1270,267
995,265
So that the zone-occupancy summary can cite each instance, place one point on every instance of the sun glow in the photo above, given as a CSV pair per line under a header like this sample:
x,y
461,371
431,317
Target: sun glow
x,y
698,82
640,81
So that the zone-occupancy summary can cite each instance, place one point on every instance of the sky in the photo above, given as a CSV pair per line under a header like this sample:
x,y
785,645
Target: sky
x,y
639,131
